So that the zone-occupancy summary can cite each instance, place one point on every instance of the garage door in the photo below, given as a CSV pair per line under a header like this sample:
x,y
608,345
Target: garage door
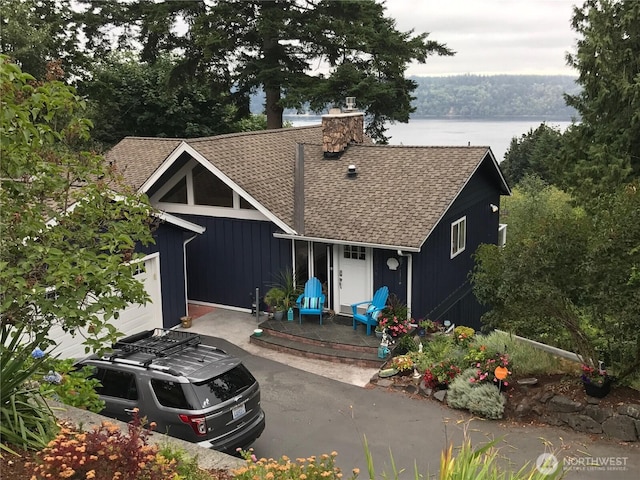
x,y
132,320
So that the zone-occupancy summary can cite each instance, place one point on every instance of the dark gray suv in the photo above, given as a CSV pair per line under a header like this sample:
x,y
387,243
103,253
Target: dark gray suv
x,y
192,391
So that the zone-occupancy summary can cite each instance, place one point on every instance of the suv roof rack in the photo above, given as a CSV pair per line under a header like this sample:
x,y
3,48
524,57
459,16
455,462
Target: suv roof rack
x,y
159,342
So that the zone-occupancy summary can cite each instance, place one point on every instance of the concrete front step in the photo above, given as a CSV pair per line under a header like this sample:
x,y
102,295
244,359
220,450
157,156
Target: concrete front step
x,y
308,348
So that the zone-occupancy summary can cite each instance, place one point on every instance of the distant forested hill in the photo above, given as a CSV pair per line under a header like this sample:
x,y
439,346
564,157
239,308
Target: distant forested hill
x,y
481,96
494,96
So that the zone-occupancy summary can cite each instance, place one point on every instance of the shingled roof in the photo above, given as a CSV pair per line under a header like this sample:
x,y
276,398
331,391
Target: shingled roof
x,y
397,197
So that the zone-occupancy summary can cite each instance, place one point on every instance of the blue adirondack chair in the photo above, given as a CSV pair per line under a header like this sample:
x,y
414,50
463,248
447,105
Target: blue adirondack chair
x,y
375,306
311,301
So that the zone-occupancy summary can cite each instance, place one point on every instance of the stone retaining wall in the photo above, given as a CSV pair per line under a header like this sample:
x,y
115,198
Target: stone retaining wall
x,y
621,423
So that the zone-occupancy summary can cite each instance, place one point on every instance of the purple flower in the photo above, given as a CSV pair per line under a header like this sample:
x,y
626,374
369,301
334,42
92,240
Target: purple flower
x,y
37,353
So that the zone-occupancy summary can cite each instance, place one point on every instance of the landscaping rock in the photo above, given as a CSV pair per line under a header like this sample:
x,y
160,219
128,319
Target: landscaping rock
x,y
440,395
597,413
637,422
583,423
621,427
544,396
524,407
552,420
384,382
632,410
562,404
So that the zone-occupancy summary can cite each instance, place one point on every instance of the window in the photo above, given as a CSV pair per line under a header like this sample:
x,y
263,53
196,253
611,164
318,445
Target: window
x,y
170,394
502,234
458,236
224,386
178,193
209,189
117,384
354,252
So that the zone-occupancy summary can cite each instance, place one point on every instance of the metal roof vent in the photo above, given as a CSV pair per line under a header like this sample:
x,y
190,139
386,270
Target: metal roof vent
x,y
351,103
352,171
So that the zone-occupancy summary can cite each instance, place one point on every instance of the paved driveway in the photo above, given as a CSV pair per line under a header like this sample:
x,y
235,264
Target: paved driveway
x,y
308,414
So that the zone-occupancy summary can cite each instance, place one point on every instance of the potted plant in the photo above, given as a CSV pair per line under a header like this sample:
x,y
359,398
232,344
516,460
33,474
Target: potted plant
x,y
425,326
596,381
282,293
274,298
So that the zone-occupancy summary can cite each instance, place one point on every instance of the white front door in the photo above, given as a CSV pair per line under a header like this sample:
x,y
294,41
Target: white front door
x,y
355,281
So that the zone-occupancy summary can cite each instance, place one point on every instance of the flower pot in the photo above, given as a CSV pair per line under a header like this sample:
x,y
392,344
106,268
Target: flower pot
x,y
278,315
186,321
378,334
598,391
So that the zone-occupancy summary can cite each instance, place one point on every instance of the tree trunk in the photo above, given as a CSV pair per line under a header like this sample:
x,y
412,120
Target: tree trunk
x,y
273,108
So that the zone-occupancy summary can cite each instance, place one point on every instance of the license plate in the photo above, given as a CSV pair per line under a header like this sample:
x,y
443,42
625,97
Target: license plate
x,y
239,411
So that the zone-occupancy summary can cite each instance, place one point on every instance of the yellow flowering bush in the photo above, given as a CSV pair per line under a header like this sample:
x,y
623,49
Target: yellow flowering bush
x,y
104,453
310,468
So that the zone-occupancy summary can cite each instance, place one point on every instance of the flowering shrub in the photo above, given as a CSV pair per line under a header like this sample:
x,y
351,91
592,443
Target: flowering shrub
x,y
71,386
463,336
487,368
311,468
395,326
596,376
402,363
441,373
104,453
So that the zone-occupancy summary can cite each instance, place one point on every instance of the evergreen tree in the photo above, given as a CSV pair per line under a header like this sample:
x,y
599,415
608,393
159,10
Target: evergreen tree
x,y
534,153
34,32
280,45
604,150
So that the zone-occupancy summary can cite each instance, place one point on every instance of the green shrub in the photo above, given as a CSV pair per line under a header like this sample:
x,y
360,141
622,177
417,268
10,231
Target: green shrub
x,y
405,345
486,400
72,386
25,418
460,389
440,348
186,466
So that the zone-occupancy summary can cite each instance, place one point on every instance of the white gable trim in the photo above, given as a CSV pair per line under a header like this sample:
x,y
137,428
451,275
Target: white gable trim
x,y
186,148
180,222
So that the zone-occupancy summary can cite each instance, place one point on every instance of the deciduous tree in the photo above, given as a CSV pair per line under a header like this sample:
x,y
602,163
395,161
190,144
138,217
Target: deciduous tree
x,y
67,239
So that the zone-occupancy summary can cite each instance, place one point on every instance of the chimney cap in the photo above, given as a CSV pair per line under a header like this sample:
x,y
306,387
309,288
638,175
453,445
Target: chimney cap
x,y
351,103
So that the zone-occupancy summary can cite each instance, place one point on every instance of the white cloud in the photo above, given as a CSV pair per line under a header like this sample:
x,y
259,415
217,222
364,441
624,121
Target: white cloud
x,y
491,36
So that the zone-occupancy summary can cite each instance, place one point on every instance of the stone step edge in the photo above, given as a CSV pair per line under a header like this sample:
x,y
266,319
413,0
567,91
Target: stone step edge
x,y
320,343
319,353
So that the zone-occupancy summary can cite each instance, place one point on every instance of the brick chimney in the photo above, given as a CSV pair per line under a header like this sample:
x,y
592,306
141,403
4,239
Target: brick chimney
x,y
339,129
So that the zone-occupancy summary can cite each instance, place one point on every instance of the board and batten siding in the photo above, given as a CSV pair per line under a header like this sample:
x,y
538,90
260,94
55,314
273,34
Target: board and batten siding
x,y
233,258
441,289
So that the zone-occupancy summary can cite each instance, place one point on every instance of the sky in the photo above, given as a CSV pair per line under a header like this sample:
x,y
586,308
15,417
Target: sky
x,y
518,37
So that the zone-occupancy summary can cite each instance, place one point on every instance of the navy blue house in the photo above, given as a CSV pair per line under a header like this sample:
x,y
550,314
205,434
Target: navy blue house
x,y
323,201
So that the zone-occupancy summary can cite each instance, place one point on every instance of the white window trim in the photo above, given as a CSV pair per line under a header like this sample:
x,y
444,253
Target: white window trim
x,y
457,249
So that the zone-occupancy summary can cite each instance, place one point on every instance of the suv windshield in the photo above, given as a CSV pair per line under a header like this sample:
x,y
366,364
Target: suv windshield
x,y
223,387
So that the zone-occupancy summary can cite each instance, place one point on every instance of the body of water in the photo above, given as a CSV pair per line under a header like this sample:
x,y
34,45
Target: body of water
x,y
496,134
